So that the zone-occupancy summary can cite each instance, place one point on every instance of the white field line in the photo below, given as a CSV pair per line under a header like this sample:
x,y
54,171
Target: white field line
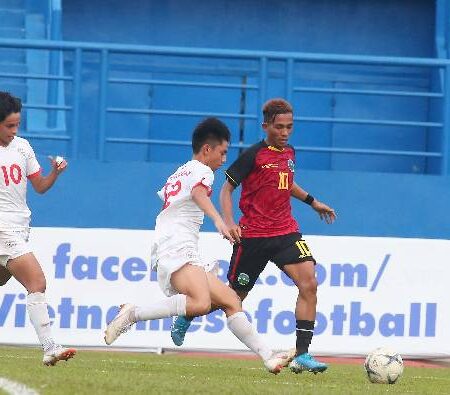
x,y
15,388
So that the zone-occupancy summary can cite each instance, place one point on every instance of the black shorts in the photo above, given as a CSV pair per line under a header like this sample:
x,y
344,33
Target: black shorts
x,y
250,257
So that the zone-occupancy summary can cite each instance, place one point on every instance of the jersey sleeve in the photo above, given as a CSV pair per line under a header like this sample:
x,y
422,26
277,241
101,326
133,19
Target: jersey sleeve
x,y
241,167
203,176
33,167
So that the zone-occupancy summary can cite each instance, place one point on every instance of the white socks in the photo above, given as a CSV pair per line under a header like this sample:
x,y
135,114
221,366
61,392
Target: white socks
x,y
243,330
38,313
174,305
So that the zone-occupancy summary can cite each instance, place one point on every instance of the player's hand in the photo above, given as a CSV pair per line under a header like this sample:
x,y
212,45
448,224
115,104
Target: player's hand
x,y
223,230
235,231
59,164
326,213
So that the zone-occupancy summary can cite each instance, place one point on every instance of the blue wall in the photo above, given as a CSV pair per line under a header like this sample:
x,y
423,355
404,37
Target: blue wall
x,y
389,28
123,195
374,201
393,27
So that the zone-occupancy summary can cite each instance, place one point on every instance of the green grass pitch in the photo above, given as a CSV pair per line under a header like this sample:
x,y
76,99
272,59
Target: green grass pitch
x,y
112,372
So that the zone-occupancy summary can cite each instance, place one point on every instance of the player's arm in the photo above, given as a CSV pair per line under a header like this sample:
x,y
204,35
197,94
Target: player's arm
x,y
326,213
42,184
200,197
226,205
235,174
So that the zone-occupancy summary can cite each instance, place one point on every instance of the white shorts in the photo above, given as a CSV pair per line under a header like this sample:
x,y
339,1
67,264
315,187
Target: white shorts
x,y
166,260
13,243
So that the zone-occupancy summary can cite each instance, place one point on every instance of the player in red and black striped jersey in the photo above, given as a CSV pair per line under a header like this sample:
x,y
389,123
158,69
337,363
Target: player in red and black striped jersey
x,y
267,229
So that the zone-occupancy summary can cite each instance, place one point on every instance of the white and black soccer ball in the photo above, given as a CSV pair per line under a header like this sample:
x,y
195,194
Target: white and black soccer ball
x,y
383,366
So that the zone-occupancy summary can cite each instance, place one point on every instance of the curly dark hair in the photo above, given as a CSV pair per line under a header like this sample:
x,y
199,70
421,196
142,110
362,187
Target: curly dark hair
x,y
273,107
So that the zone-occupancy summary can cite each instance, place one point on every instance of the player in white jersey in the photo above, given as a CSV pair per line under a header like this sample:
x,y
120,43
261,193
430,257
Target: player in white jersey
x,y
178,225
18,164
189,284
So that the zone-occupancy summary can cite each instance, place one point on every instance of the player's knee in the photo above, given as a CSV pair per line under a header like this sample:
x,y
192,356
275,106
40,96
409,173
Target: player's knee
x,y
203,309
38,285
200,307
309,287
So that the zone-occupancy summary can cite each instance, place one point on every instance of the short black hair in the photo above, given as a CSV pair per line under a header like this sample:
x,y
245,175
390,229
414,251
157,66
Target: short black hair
x,y
9,105
209,131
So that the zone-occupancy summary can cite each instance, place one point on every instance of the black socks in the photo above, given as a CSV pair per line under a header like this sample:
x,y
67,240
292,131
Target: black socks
x,y
304,331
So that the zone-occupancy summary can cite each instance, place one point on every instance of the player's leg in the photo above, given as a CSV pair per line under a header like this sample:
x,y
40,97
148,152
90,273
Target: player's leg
x,y
223,297
302,273
27,270
192,281
227,300
192,298
182,323
246,263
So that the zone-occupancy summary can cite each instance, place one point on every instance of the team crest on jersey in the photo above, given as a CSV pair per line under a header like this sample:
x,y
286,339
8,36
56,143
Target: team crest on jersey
x,y
243,279
291,165
22,151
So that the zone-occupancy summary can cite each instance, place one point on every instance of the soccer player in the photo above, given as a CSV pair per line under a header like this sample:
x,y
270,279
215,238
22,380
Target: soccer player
x,y
17,164
267,229
189,284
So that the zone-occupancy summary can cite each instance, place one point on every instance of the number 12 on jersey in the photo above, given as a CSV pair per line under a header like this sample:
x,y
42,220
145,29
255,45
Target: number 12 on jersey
x,y
169,191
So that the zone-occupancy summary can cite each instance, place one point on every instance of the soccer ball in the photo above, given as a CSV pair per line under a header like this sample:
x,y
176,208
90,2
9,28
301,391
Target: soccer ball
x,y
383,366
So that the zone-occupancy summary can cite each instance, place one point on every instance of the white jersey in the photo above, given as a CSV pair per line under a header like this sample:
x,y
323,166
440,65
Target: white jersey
x,y
178,225
180,217
17,163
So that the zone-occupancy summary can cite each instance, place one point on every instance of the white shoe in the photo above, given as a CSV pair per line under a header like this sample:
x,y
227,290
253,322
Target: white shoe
x,y
122,323
279,360
57,353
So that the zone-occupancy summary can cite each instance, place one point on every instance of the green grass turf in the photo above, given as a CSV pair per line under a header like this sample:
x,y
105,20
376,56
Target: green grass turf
x,y
110,372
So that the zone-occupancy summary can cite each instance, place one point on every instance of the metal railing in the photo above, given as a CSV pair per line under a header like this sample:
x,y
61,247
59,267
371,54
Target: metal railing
x,y
290,60
55,16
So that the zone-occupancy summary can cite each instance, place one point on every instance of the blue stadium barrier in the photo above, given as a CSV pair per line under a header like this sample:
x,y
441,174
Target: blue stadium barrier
x,y
263,64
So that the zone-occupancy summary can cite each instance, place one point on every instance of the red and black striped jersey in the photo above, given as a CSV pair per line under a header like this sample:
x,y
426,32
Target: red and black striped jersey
x,y
267,175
